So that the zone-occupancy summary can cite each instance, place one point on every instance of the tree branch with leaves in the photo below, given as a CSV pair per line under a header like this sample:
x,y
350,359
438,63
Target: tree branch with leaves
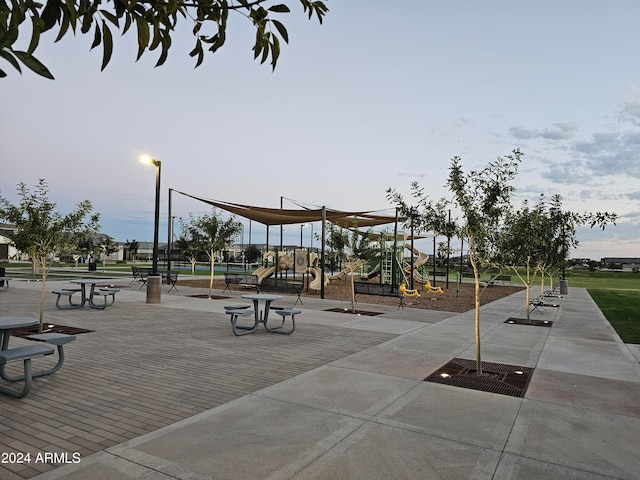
x,y
154,21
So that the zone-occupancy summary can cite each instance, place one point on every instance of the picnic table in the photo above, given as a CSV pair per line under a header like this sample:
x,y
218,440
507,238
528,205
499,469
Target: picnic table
x,y
261,316
7,324
91,282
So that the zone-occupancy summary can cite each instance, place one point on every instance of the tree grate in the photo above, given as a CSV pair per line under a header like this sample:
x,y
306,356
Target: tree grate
x,y
533,323
48,328
499,378
213,297
357,312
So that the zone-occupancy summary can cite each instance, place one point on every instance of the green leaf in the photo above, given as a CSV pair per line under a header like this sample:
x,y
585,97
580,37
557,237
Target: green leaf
x,y
111,17
127,24
275,52
166,44
6,54
107,45
157,37
143,35
97,38
33,64
86,23
9,37
63,28
35,35
279,8
51,14
281,30
199,52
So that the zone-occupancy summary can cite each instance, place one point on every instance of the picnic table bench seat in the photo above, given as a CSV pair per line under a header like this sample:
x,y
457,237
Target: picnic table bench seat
x,y
106,293
235,314
25,354
68,293
284,312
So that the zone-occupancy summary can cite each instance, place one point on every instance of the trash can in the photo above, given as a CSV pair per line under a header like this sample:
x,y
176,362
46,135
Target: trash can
x,y
564,287
93,266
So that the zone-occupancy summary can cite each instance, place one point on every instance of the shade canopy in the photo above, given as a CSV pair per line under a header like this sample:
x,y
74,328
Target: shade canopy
x,y
279,216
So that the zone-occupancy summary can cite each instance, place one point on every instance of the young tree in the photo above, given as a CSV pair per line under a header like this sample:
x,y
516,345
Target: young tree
x,y
526,240
425,215
251,254
213,234
107,247
155,23
540,237
190,244
132,248
337,241
361,248
484,198
41,231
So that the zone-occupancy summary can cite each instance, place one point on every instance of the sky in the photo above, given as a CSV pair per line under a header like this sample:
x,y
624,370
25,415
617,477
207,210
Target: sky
x,y
375,98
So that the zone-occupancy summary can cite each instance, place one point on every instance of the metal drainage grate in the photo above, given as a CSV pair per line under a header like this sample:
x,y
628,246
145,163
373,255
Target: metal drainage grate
x,y
357,312
48,328
534,323
499,378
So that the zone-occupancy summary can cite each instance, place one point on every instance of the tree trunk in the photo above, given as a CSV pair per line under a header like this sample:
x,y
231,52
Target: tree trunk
x,y
213,266
477,315
353,294
43,261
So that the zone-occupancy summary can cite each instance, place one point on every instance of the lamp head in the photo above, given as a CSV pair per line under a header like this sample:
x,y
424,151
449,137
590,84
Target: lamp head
x,y
148,160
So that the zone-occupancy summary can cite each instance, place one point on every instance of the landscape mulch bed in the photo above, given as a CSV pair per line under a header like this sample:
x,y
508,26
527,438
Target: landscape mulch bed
x,y
451,300
499,378
48,328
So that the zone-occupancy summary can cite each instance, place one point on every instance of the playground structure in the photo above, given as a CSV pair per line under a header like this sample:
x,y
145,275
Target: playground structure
x,y
392,269
300,262
406,268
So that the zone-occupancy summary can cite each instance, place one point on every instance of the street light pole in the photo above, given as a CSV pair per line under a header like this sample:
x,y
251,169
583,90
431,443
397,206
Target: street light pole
x,y
153,286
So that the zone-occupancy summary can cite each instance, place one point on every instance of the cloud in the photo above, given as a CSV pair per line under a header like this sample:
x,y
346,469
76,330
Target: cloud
x,y
558,131
611,153
634,195
630,111
411,175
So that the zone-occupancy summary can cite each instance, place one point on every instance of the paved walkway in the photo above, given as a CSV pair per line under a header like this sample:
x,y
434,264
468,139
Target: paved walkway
x,y
167,392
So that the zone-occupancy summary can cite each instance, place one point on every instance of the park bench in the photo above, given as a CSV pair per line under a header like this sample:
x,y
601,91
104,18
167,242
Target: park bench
x,y
381,289
282,285
244,279
25,354
500,279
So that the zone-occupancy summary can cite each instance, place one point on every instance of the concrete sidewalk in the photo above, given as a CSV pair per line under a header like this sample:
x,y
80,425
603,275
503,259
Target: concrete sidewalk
x,y
369,414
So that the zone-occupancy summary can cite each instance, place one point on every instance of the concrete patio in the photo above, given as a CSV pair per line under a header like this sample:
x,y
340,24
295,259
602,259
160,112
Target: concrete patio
x,y
167,392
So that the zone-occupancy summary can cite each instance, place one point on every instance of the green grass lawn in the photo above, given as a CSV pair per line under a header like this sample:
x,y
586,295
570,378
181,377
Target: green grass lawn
x,y
622,309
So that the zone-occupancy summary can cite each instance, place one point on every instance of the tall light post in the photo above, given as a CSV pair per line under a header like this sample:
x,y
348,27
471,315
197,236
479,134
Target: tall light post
x,y
153,285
